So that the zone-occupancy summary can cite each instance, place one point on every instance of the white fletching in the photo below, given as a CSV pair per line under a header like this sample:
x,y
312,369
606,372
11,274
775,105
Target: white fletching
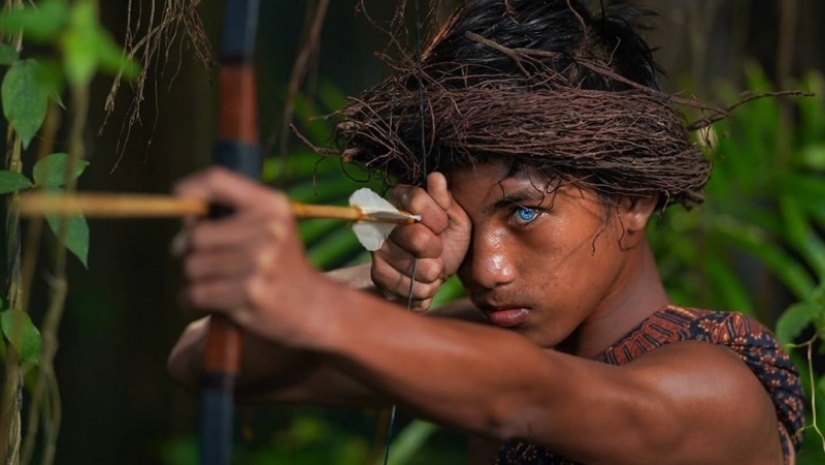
x,y
373,234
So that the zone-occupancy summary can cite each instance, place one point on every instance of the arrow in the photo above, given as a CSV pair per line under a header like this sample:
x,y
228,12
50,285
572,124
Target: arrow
x,y
374,217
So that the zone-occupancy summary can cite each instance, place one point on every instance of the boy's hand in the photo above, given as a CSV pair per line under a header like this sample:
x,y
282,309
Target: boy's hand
x,y
439,242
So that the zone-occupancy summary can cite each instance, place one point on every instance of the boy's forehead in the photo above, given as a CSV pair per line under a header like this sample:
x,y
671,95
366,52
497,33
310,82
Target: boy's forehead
x,y
498,173
492,181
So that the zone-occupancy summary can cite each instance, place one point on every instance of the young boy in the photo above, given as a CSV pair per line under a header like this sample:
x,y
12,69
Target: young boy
x,y
547,148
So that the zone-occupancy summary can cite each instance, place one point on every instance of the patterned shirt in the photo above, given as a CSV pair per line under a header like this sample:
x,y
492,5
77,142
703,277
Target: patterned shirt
x,y
754,344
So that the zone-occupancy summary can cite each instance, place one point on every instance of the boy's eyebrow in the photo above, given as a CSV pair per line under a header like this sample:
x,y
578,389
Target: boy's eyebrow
x,y
508,199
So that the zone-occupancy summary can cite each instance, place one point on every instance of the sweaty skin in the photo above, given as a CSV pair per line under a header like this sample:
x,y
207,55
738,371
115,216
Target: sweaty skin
x,y
564,275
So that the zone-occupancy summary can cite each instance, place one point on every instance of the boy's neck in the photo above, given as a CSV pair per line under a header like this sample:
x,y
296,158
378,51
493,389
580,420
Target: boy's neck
x,y
642,293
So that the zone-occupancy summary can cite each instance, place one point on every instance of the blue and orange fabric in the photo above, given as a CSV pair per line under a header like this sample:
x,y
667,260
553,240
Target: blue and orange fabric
x,y
754,344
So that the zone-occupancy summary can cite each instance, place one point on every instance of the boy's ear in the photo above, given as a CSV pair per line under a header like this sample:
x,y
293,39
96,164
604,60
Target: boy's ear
x,y
634,213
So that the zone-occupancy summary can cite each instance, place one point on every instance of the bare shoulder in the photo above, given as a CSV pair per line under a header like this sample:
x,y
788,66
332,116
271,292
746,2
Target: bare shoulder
x,y
706,368
711,388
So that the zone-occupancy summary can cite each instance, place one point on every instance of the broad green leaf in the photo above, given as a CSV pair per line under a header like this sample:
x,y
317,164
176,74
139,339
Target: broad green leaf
x,y
812,109
80,57
23,335
796,318
790,271
314,230
449,291
8,54
80,44
813,157
728,285
41,23
409,441
77,235
334,249
50,171
302,164
112,59
24,100
799,233
11,181
307,113
87,47
325,191
50,77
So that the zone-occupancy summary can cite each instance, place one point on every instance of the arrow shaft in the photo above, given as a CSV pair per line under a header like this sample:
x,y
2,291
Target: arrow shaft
x,y
161,206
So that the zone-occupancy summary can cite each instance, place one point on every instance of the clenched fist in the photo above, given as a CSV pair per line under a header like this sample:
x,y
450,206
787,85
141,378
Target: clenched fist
x,y
439,242
250,265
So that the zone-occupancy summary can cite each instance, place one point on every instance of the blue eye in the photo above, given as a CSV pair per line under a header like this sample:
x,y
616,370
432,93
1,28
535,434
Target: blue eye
x,y
526,213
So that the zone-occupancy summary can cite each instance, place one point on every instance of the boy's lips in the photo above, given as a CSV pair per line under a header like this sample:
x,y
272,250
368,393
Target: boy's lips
x,y
506,317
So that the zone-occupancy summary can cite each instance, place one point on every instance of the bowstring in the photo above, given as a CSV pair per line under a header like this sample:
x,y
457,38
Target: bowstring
x,y
421,105
394,408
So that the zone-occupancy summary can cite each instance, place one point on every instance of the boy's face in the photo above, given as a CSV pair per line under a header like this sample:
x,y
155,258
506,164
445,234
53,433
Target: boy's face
x,y
541,260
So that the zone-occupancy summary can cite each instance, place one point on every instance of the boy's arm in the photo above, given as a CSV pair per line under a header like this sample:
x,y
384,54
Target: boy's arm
x,y
273,373
270,372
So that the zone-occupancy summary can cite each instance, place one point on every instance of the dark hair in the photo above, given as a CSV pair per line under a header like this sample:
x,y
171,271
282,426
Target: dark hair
x,y
545,83
567,28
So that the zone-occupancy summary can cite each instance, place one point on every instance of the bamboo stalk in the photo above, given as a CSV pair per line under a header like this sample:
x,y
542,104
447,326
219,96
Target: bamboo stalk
x,y
162,206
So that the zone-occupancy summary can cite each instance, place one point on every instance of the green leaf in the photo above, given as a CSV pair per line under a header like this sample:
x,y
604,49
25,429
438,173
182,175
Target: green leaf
x,y
50,77
753,240
77,235
80,61
41,23
23,335
796,318
409,441
315,230
11,181
799,233
80,44
24,100
812,109
8,54
728,285
50,171
449,291
112,58
334,249
813,157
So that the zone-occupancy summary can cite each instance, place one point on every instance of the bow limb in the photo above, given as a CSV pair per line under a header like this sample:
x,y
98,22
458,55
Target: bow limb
x,y
237,148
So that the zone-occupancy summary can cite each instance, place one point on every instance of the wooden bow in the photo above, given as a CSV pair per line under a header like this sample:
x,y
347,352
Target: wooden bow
x,y
238,149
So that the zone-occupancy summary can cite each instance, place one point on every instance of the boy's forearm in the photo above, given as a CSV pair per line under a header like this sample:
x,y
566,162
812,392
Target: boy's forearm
x,y
356,277
262,363
271,373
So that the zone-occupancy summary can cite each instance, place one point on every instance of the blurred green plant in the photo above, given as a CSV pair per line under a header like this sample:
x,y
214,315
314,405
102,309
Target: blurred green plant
x,y
757,242
48,173
82,48
314,439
